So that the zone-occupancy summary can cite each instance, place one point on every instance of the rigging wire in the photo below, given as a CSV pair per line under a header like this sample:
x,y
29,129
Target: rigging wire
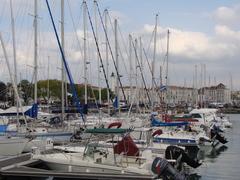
x,y
98,51
154,81
143,79
75,27
79,44
66,65
120,51
110,49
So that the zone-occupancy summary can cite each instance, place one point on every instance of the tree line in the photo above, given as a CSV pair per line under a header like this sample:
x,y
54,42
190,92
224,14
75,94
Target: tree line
x,y
26,91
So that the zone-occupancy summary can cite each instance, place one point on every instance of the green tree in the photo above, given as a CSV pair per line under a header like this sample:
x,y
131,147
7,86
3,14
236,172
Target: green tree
x,y
26,89
3,91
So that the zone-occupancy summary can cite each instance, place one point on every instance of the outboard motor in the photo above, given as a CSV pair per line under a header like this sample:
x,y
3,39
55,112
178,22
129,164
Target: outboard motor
x,y
219,137
77,136
173,152
163,168
215,133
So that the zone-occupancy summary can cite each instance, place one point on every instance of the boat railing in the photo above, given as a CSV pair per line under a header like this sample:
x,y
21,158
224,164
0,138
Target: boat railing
x,y
125,161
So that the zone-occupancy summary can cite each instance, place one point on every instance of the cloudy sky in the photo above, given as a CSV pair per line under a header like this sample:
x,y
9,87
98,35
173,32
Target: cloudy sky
x,y
201,32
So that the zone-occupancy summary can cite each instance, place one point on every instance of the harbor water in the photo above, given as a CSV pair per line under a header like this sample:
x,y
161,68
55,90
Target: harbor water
x,y
223,161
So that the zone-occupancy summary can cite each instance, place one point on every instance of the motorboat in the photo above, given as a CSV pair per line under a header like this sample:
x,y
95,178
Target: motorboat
x,y
124,158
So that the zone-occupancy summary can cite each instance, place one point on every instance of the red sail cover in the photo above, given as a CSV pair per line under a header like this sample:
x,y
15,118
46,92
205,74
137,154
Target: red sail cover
x,y
115,124
127,147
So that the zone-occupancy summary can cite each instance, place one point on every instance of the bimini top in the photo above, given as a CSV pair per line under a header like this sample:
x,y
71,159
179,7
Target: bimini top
x,y
108,131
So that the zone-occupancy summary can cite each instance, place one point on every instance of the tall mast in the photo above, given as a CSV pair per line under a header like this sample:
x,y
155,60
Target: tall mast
x,y
154,58
141,64
184,88
14,43
131,69
193,88
204,84
200,87
117,67
48,95
35,50
14,56
167,57
160,83
136,73
98,63
205,75
85,49
107,60
63,71
209,80
196,86
231,87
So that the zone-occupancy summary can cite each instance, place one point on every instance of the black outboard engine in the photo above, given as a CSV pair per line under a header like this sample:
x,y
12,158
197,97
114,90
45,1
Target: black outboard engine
x,y
164,169
174,152
77,136
215,133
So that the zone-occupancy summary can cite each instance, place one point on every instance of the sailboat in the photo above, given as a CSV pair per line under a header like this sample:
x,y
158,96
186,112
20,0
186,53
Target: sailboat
x,y
11,146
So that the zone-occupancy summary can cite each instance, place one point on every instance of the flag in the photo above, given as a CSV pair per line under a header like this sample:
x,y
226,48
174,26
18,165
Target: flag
x,y
163,88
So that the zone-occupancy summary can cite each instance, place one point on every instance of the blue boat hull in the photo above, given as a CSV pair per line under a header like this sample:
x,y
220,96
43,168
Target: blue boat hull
x,y
3,128
174,141
156,122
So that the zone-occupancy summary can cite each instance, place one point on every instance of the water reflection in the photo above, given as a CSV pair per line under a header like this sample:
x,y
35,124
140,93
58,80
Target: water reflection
x,y
211,152
194,176
216,151
208,154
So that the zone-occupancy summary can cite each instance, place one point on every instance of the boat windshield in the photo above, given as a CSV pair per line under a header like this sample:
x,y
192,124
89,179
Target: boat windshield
x,y
196,116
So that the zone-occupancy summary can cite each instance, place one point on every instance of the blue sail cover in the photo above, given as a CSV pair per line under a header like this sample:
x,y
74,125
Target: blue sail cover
x,y
115,103
84,109
33,111
30,111
156,122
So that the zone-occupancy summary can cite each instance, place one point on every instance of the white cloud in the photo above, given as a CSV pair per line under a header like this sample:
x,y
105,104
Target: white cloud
x,y
225,31
197,45
219,51
227,15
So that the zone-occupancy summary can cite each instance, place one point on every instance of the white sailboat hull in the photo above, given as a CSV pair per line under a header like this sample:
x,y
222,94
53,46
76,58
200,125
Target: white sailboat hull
x,y
12,146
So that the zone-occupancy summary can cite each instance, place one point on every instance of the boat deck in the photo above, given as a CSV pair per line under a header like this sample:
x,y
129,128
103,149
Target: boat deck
x,y
24,166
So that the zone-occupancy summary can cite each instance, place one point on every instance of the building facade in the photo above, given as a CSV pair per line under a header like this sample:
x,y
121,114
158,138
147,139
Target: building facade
x,y
215,94
178,95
